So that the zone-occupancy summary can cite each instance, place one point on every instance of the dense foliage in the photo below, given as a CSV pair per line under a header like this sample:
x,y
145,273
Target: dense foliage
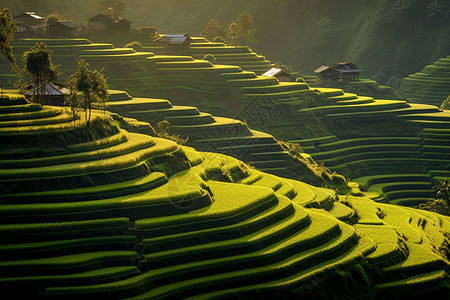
x,y
7,31
87,88
39,66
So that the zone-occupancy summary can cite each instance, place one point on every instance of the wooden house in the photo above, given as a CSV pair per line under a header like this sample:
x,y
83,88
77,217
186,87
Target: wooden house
x,y
99,22
175,43
344,71
62,29
29,22
54,93
118,26
279,74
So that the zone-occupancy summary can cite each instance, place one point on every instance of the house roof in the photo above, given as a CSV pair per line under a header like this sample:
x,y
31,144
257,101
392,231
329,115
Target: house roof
x,y
101,18
321,69
342,67
51,89
273,72
29,14
174,39
122,21
67,24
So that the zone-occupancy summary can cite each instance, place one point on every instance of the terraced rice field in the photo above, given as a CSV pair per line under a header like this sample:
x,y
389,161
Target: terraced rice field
x,y
206,132
384,164
429,86
108,213
164,73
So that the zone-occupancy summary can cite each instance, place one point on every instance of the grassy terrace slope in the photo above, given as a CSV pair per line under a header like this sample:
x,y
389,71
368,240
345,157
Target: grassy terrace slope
x,y
217,134
223,54
100,212
399,150
288,111
430,86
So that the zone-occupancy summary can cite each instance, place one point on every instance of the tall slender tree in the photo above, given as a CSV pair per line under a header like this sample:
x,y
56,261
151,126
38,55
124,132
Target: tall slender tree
x,y
88,89
8,30
39,66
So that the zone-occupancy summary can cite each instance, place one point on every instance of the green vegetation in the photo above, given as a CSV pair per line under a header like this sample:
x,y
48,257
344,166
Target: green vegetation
x,y
87,89
39,66
212,30
126,215
429,86
89,209
7,32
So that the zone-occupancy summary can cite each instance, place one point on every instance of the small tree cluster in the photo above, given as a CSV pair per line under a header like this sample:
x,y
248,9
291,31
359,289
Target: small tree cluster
x,y
39,66
88,89
8,30
212,30
240,32
164,128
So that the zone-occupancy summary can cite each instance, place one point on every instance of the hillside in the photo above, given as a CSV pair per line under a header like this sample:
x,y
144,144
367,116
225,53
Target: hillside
x,y
101,212
357,136
430,86
296,32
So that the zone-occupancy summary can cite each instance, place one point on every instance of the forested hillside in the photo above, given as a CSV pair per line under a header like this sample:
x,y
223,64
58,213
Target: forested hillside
x,y
389,39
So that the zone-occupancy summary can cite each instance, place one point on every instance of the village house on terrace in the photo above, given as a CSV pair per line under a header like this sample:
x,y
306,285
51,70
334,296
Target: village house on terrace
x,y
105,23
53,93
29,22
344,71
175,43
62,29
279,74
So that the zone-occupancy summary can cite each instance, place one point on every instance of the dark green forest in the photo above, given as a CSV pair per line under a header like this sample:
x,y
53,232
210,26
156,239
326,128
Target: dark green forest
x,y
389,39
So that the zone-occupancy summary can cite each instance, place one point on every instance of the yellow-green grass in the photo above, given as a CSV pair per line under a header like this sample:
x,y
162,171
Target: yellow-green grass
x,y
97,192
342,212
225,207
348,143
430,86
103,160
198,235
281,87
368,181
50,231
67,264
419,260
41,249
202,118
360,149
234,245
25,285
137,104
327,230
376,105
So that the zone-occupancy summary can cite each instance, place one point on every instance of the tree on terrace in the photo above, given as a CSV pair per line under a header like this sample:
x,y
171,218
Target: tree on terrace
x,y
40,68
7,31
212,30
242,30
88,90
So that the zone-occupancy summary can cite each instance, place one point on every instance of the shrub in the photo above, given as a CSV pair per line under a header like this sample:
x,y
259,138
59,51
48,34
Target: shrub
x,y
164,127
